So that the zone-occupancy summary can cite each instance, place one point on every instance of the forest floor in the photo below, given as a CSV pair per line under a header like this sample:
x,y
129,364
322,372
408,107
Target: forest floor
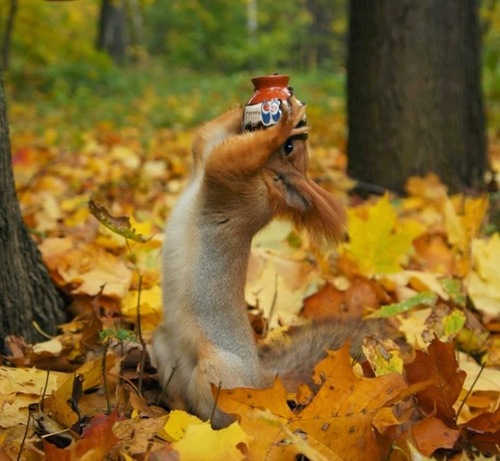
x,y
427,261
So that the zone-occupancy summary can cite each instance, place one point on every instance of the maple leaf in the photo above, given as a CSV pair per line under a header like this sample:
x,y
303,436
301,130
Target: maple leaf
x,y
186,431
378,243
440,369
484,280
336,423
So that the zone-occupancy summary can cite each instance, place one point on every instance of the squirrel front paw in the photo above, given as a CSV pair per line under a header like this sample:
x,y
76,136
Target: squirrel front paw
x,y
293,113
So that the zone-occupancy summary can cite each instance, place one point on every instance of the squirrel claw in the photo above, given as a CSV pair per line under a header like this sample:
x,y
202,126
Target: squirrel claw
x,y
293,114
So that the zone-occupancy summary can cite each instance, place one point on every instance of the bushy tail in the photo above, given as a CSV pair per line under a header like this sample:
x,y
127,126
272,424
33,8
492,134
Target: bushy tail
x,y
292,355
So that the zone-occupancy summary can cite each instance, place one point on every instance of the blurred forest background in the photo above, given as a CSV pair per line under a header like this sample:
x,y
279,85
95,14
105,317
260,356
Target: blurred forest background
x,y
169,61
161,63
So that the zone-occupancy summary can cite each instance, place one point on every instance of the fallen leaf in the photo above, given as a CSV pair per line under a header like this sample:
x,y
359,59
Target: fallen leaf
x,y
438,366
120,225
426,298
225,444
96,442
337,420
177,424
84,268
484,280
430,434
378,242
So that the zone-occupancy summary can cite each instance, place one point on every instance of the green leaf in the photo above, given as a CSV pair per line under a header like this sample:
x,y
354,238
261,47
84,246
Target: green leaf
x,y
454,288
118,224
426,298
454,322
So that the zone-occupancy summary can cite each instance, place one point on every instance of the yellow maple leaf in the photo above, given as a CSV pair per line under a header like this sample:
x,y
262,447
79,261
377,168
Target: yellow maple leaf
x,y
484,281
177,424
201,442
463,218
378,243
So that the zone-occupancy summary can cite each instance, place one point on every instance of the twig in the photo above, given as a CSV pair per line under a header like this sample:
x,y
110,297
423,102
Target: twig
x,y
142,364
469,392
273,303
164,389
21,448
44,391
215,400
104,376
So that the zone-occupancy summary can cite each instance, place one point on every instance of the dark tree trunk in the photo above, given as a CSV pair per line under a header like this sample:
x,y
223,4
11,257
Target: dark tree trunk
x,y
7,35
27,295
318,47
113,31
414,92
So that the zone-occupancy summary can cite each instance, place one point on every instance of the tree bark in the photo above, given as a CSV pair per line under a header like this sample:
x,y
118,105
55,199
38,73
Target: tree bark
x,y
27,294
414,92
113,32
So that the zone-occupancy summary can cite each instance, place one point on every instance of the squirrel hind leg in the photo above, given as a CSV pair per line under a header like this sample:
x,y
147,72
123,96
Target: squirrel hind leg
x,y
218,368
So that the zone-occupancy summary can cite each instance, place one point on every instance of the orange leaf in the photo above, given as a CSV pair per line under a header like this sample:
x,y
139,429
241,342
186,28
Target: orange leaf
x,y
350,303
336,423
431,434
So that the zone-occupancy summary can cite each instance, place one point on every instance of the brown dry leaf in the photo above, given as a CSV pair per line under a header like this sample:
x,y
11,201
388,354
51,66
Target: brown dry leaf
x,y
483,432
21,387
438,366
83,268
338,419
138,435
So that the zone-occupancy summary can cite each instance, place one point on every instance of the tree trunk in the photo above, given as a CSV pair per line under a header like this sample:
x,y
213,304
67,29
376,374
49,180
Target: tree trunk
x,y
27,295
7,35
414,92
113,32
318,47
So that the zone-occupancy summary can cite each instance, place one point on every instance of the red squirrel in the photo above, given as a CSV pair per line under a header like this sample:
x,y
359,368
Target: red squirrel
x,y
241,181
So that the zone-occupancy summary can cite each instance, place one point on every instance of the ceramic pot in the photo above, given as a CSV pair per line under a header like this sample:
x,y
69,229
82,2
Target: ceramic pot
x,y
264,107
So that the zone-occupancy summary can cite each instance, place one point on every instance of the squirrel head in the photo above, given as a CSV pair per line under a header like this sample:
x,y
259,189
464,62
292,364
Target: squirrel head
x,y
253,177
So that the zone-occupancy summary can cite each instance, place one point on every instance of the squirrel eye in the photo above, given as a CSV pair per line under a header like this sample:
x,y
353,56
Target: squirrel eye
x,y
288,146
